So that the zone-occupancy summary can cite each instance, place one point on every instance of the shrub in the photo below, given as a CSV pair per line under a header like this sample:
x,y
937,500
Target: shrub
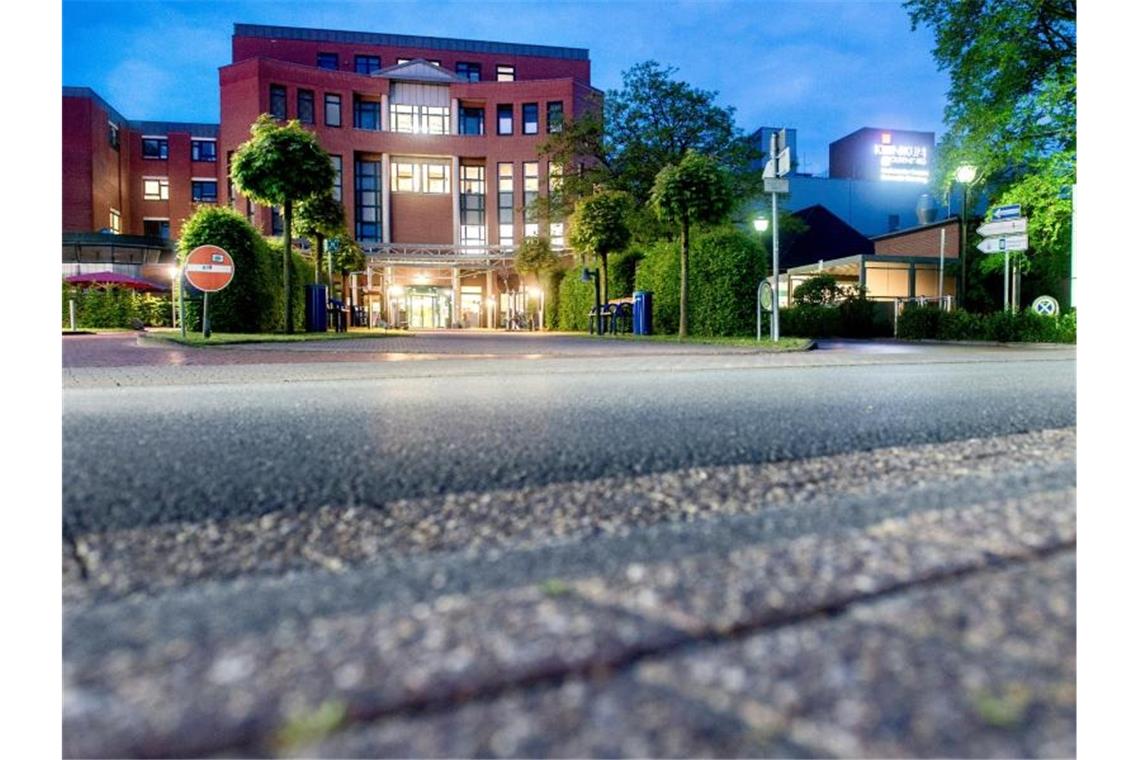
x,y
113,306
810,321
575,299
931,323
821,290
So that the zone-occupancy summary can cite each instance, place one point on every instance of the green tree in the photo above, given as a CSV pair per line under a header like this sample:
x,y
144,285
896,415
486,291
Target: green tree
x,y
624,141
598,228
1011,109
320,217
281,165
694,191
346,257
536,257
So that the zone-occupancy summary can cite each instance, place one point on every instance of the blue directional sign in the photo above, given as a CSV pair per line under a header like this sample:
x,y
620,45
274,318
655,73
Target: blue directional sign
x,y
1011,211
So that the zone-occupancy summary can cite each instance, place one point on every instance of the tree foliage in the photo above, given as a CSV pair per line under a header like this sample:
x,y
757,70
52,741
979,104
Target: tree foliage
x,y
694,191
1011,110
598,228
320,217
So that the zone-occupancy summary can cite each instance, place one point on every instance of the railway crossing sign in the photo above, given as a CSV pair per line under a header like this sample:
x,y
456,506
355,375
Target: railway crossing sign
x,y
209,268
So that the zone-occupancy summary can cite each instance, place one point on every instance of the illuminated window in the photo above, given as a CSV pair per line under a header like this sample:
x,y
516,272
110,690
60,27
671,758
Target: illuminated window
x,y
305,108
405,178
366,64
156,188
530,118
423,120
472,205
436,178
277,101
557,235
409,176
504,73
530,198
332,109
554,116
154,147
402,61
402,118
506,204
367,187
116,222
204,150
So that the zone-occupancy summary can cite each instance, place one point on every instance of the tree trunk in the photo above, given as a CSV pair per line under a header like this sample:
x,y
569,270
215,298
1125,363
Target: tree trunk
x,y
605,278
287,261
317,262
683,327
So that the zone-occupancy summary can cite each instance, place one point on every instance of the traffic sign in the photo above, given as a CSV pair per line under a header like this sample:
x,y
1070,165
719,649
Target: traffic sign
x,y
1004,244
1011,211
766,295
1046,306
1007,227
209,268
775,185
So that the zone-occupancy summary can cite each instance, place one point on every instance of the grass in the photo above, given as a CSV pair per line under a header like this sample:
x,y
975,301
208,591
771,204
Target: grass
x,y
302,729
227,339
784,344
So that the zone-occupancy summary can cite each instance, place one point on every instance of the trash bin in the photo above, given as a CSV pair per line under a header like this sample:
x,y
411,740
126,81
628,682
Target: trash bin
x,y
316,308
643,312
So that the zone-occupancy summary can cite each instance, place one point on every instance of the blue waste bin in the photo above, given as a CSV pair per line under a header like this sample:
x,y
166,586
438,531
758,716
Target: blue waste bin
x,y
316,313
643,312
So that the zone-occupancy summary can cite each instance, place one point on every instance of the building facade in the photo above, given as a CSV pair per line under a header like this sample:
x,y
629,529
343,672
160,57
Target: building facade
x,y
434,141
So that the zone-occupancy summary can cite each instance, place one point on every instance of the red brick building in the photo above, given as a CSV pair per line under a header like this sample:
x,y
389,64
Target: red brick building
x,y
434,141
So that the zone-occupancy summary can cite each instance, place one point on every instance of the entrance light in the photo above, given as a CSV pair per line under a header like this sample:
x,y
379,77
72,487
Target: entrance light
x,y
395,290
760,223
966,174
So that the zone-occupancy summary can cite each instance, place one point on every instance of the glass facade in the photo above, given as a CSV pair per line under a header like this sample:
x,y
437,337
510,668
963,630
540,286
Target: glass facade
x,y
366,183
420,120
506,204
530,198
472,205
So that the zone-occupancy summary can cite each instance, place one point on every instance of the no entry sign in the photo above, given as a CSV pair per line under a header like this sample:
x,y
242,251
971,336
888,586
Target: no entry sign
x,y
209,268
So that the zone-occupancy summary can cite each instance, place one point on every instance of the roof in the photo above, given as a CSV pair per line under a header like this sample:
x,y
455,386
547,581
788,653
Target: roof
x,y
410,41
418,70
827,237
195,129
955,220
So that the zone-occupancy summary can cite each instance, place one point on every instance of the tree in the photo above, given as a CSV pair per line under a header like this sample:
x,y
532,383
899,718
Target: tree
x,y
598,228
320,217
624,141
280,166
346,257
1011,108
536,257
695,191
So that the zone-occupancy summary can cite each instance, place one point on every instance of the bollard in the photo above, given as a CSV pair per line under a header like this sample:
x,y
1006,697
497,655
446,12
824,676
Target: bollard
x,y
71,312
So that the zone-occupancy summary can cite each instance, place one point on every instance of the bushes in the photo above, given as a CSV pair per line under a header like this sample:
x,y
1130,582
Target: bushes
x,y
575,299
931,323
98,307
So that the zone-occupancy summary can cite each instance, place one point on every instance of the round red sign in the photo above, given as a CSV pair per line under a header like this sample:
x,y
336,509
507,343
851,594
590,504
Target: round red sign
x,y
209,268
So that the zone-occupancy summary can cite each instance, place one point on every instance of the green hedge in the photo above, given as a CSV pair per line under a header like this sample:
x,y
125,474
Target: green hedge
x,y
853,317
725,265
575,299
931,323
114,306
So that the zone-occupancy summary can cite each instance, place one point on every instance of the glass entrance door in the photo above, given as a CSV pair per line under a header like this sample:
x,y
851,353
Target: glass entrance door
x,y
428,307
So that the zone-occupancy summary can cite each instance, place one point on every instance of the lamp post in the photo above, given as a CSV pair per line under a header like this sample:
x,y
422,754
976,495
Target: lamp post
x,y
965,175
593,274
761,225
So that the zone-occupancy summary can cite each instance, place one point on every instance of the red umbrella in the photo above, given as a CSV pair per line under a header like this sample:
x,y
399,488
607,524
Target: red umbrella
x,y
114,278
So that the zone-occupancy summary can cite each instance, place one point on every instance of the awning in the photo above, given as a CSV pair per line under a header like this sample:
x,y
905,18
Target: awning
x,y
115,278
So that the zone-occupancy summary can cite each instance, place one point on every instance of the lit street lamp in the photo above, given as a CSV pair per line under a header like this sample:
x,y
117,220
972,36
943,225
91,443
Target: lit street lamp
x,y
965,175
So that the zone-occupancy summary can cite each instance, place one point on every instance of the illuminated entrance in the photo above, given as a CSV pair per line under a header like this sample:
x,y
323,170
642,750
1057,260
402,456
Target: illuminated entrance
x,y
428,306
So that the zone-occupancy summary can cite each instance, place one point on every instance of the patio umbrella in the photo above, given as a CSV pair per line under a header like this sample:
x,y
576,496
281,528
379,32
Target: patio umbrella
x,y
115,278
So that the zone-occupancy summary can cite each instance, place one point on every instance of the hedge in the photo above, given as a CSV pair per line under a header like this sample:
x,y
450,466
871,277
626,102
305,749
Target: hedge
x,y
575,299
114,306
931,323
853,317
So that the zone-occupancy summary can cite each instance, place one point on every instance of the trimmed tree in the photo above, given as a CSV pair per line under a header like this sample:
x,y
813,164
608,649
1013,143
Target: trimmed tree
x,y
281,165
695,191
536,257
598,227
320,217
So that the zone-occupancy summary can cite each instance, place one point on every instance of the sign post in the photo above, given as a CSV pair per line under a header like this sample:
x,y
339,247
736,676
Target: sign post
x,y
778,165
209,269
1005,233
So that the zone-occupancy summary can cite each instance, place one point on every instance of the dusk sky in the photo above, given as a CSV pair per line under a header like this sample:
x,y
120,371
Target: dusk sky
x,y
825,68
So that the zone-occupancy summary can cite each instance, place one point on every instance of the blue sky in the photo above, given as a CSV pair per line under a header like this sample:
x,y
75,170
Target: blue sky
x,y
825,68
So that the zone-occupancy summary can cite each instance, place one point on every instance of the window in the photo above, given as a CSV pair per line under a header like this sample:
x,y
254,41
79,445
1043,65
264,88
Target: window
x,y
435,62
332,109
470,121
154,147
116,222
468,71
156,188
423,120
203,150
204,191
402,61
411,176
113,135
328,61
504,73
277,101
472,205
367,185
554,116
554,186
305,107
365,113
230,177
506,204
159,228
366,64
338,176
530,196
506,114
530,118
276,223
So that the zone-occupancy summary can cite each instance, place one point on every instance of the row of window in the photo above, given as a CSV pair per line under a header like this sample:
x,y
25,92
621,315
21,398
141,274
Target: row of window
x,y
201,190
369,64
413,119
200,149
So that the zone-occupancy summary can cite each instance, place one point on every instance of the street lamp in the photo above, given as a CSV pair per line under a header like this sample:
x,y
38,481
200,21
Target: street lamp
x,y
965,175
761,225
594,274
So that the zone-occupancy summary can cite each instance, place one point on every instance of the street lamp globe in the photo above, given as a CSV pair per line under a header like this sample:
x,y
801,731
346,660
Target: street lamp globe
x,y
966,173
760,223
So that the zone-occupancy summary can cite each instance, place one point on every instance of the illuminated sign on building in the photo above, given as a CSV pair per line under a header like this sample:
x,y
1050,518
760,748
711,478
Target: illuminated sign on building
x,y
902,163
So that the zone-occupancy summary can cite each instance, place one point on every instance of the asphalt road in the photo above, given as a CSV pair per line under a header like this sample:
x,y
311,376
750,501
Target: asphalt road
x,y
864,550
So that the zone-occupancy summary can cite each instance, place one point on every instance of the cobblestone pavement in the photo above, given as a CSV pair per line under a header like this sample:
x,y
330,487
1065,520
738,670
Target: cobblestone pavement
x,y
882,597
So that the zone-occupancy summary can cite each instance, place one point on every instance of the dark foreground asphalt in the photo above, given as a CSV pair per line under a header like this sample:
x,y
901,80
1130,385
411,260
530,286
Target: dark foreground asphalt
x,y
861,552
